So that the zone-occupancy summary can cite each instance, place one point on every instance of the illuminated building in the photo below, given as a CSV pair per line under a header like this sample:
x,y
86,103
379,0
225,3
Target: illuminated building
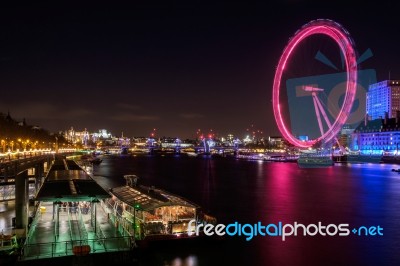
x,y
345,136
303,137
247,140
378,136
383,97
123,141
102,134
73,136
276,142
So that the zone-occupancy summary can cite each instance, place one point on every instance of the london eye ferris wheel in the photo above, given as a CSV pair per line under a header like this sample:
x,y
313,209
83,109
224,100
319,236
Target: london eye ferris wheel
x,y
328,125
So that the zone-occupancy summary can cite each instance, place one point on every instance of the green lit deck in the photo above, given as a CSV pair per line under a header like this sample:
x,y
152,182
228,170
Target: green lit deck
x,y
70,219
75,227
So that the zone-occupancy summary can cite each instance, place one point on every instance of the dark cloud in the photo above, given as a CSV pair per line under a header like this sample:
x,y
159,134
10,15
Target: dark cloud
x,y
48,111
133,117
174,67
191,116
128,106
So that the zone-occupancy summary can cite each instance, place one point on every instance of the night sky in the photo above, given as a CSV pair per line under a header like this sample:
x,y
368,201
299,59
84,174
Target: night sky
x,y
176,67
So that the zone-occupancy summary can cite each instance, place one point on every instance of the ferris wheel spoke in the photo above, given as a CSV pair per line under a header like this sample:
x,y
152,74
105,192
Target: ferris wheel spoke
x,y
321,108
321,128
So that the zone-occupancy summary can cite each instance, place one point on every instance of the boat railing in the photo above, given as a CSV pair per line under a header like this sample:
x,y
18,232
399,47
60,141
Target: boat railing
x,y
99,231
126,228
34,223
107,207
100,234
56,224
69,223
65,248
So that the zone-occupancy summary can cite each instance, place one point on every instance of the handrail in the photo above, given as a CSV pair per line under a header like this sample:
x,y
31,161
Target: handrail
x,y
56,225
47,250
34,223
81,223
101,234
77,226
69,224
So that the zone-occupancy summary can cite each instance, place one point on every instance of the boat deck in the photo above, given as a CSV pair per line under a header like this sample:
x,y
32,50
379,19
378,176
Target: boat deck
x,y
70,219
74,228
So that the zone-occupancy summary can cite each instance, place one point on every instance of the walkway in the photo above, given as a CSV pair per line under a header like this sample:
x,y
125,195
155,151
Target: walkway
x,y
76,227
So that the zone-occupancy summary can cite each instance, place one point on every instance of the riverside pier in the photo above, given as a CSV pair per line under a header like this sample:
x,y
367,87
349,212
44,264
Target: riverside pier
x,y
66,220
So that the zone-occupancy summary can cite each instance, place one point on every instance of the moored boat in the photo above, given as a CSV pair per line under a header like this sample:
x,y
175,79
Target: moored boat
x,y
314,160
150,213
90,158
96,160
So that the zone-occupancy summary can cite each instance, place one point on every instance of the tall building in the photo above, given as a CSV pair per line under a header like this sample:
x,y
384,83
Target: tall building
x,y
383,97
345,136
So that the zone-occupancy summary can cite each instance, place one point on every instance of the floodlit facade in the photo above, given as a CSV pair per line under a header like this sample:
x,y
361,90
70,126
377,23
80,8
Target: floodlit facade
x,y
378,136
383,97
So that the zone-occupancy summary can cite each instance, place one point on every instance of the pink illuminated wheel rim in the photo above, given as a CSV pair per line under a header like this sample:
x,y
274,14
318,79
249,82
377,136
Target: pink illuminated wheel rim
x,y
342,38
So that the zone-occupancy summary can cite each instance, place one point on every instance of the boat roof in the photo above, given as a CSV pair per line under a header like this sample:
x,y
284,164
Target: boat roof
x,y
149,198
63,184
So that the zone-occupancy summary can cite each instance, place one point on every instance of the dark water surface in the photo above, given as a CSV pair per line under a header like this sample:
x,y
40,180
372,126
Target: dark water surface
x,y
251,191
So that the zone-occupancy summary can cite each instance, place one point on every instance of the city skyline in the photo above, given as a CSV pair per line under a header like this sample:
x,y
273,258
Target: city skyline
x,y
174,68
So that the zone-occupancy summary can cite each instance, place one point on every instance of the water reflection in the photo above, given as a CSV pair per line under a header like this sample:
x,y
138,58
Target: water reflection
x,y
7,212
248,192
188,261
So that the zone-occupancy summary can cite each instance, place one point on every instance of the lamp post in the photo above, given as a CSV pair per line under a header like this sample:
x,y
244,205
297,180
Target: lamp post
x,y
3,145
136,207
94,214
26,143
56,145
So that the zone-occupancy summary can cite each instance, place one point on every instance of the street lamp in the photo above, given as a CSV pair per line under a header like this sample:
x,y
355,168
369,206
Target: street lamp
x,y
19,143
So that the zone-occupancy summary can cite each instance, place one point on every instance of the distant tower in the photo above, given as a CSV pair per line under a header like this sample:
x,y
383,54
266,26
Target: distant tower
x,y
85,138
8,117
178,143
208,143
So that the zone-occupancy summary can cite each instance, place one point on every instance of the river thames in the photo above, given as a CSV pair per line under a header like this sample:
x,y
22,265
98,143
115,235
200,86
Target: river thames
x,y
256,191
